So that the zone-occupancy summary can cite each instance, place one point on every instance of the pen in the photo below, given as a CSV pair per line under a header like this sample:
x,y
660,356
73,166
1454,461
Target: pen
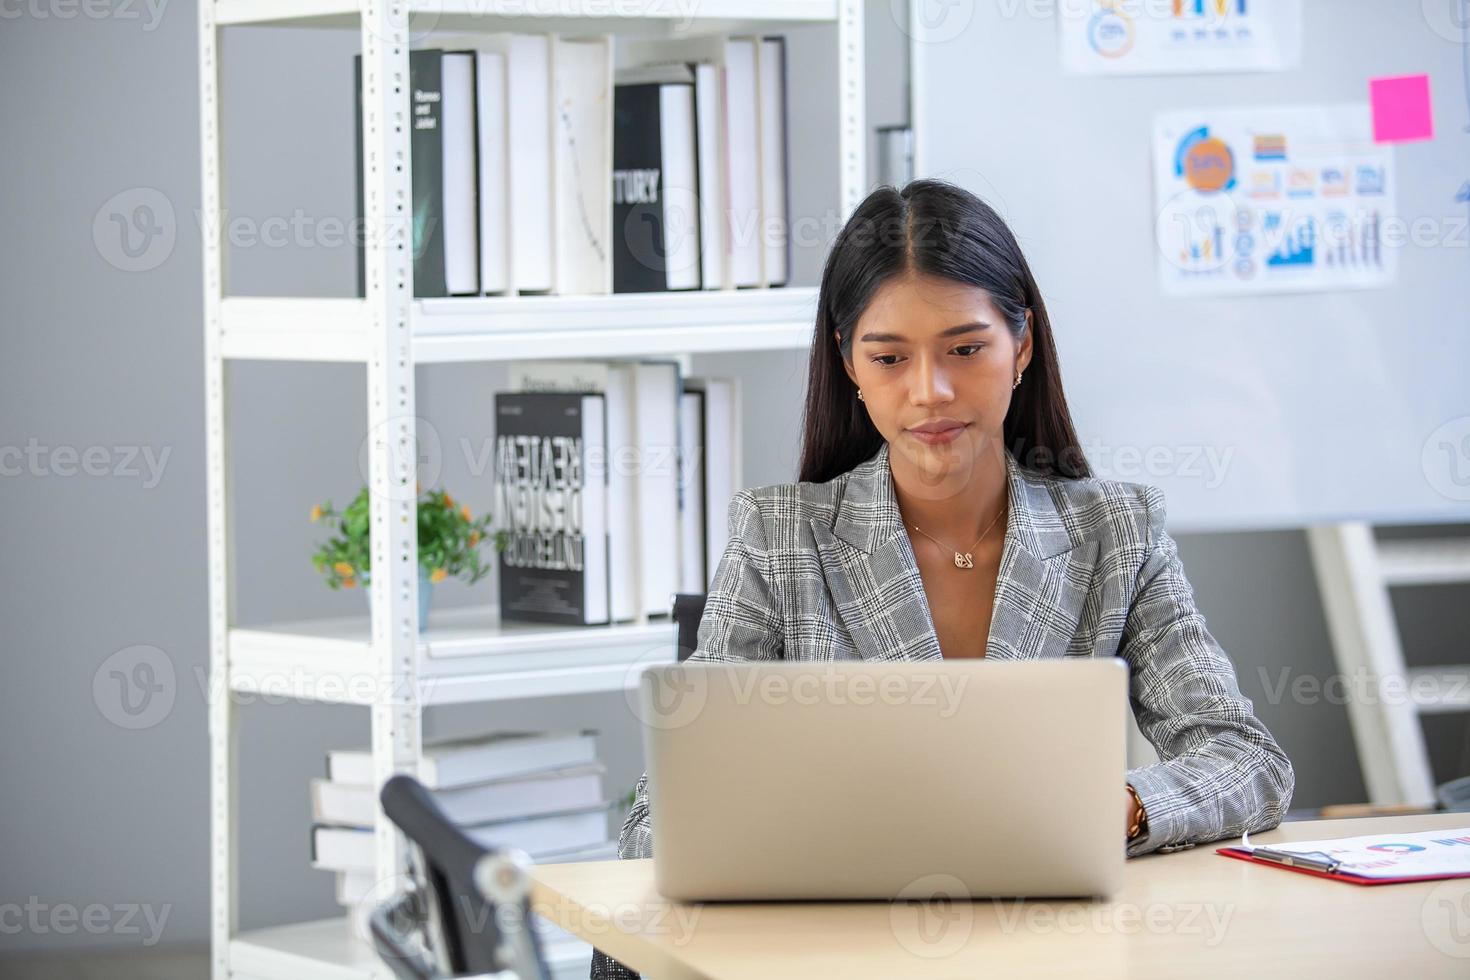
x,y
1327,863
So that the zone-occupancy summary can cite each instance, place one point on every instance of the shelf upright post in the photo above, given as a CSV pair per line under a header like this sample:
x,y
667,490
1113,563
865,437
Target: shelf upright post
x,y
387,183
852,112
224,859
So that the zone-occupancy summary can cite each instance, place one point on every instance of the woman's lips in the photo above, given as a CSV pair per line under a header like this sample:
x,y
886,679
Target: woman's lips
x,y
938,438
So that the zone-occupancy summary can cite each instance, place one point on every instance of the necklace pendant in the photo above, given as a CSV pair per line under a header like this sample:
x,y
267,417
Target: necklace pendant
x,y
963,561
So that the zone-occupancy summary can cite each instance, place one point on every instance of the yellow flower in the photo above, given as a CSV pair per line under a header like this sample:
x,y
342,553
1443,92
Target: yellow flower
x,y
349,582
465,511
448,500
438,575
474,537
344,569
316,513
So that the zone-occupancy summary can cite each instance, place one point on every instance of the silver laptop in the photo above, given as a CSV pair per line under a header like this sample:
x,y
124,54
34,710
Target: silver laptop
x,y
855,780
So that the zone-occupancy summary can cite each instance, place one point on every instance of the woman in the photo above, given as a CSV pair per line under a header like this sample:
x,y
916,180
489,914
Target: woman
x,y
940,469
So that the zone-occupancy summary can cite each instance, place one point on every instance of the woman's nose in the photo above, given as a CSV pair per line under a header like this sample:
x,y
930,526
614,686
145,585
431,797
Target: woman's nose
x,y
931,385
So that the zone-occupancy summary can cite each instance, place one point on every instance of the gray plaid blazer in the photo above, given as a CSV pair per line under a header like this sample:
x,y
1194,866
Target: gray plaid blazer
x,y
826,571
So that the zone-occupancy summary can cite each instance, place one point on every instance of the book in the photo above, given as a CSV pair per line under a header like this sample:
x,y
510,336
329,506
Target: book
x,y
356,805
771,68
469,762
655,181
615,380
713,180
656,405
445,245
692,577
721,457
551,492
532,202
1373,859
493,157
582,157
458,176
351,848
742,135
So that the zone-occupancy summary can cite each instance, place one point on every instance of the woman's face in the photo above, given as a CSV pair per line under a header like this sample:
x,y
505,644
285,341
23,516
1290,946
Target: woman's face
x,y
933,354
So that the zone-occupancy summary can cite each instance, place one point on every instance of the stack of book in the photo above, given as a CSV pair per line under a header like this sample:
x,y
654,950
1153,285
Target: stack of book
x,y
540,792
613,481
538,169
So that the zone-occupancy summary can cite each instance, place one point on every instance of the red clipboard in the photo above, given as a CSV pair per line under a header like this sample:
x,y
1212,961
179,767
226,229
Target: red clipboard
x,y
1244,855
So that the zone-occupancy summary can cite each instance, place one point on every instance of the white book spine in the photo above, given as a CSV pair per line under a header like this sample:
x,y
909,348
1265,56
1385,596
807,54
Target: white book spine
x,y
494,175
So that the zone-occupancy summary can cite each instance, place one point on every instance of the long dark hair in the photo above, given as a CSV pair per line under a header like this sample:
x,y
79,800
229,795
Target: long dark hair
x,y
938,228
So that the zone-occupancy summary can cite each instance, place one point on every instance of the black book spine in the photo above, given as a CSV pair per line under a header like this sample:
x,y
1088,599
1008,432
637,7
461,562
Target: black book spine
x,y
640,261
427,146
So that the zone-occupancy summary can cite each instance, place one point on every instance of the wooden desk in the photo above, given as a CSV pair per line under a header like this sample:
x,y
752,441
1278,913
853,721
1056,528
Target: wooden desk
x,y
1185,914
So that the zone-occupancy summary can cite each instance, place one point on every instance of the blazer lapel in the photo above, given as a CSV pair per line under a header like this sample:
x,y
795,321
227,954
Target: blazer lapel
x,y
871,571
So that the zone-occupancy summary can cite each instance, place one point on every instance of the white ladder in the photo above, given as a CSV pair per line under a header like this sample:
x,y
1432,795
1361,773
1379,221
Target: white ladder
x,y
1385,699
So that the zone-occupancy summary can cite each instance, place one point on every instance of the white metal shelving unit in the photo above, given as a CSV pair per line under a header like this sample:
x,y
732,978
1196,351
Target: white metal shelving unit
x,y
382,662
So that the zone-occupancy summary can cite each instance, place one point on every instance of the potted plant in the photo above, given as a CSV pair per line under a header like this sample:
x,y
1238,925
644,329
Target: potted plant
x,y
449,539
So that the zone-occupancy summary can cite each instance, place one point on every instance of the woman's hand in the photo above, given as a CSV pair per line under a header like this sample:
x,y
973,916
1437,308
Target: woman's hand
x,y
1128,805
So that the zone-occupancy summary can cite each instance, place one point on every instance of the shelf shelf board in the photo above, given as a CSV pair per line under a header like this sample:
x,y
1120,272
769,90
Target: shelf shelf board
x,y
648,18
329,949
466,655
516,327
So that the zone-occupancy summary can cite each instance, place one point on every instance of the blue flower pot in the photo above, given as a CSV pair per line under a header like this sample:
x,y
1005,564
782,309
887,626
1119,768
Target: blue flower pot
x,y
426,595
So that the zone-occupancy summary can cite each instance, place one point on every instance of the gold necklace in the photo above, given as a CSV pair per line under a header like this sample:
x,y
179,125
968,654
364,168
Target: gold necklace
x,y
963,559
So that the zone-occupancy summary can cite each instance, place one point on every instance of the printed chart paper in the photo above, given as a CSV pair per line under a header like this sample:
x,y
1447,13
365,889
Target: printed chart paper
x,y
1272,200
1432,852
1122,37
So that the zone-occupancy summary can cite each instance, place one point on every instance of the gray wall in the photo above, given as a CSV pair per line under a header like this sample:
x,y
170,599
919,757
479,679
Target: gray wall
x,y
95,356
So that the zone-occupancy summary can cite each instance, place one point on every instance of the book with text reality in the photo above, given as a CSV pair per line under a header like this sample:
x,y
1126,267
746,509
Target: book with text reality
x,y
551,499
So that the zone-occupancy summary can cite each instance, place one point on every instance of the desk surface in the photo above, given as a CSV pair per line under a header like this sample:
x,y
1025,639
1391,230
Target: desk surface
x,y
1185,913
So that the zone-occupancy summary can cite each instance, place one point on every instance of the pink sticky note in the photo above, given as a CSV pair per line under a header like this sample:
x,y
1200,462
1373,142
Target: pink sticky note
x,y
1401,109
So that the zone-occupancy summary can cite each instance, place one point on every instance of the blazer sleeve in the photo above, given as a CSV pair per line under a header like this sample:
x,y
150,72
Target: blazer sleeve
x,y
1221,772
741,621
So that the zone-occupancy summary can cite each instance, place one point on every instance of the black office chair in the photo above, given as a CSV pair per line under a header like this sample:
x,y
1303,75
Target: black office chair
x,y
687,609
467,910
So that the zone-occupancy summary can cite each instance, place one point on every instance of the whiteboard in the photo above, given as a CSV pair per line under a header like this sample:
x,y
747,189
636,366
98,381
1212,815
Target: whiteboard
x,y
1249,412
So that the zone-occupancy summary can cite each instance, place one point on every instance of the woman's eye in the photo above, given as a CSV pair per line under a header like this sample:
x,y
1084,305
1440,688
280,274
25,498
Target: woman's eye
x,y
971,347
880,359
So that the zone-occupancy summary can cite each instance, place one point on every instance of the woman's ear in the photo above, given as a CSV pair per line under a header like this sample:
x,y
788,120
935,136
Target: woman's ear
x,y
1023,356
837,336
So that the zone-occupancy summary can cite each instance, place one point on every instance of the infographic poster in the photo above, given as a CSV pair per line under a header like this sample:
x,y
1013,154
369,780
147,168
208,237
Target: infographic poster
x,y
1272,200
1123,37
